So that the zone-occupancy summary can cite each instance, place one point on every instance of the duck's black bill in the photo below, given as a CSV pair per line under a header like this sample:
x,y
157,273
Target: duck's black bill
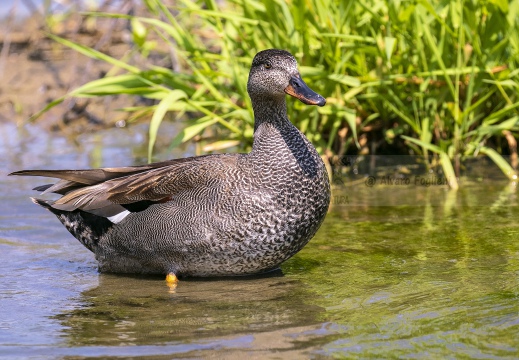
x,y
298,89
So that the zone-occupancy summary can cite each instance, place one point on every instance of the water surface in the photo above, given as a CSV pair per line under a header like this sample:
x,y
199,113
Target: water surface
x,y
396,271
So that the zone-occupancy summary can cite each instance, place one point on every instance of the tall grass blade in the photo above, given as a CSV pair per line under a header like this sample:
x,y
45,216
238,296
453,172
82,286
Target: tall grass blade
x,y
158,116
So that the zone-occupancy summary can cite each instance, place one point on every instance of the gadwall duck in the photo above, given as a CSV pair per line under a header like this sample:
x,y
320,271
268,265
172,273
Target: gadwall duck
x,y
212,215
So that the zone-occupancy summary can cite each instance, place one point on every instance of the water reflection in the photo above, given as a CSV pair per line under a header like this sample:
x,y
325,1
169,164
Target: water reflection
x,y
138,311
422,276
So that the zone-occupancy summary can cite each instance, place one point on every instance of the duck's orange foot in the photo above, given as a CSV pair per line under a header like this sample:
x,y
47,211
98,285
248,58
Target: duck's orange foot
x,y
171,281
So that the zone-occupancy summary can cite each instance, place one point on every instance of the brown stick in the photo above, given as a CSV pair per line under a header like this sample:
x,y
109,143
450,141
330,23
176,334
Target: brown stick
x,y
512,144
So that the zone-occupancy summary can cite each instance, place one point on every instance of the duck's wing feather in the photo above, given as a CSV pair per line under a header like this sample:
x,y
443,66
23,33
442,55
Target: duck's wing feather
x,y
100,190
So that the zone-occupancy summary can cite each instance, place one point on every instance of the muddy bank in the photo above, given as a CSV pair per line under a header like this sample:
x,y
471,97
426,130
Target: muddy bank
x,y
35,70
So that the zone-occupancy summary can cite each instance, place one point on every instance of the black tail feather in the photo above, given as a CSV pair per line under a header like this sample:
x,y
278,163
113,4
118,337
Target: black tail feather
x,y
87,228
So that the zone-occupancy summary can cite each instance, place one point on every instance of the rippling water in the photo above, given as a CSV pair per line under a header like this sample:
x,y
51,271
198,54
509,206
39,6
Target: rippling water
x,y
396,271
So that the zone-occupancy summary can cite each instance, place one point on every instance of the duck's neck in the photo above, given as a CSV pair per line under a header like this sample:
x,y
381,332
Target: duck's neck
x,y
270,120
272,111
276,137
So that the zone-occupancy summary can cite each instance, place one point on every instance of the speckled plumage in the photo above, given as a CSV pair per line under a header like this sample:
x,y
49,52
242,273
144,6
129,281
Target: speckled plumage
x,y
213,215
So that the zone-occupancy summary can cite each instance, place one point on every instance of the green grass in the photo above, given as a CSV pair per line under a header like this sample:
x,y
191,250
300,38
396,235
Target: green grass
x,y
416,77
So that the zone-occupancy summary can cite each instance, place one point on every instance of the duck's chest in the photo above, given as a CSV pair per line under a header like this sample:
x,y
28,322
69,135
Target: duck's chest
x,y
289,174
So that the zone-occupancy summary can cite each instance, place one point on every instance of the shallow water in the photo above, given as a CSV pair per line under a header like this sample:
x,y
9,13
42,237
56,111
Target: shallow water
x,y
396,271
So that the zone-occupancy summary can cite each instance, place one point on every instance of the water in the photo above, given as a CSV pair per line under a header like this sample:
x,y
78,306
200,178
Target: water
x,y
396,271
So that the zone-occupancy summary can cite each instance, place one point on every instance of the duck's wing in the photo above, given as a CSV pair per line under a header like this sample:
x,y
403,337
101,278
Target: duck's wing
x,y
106,191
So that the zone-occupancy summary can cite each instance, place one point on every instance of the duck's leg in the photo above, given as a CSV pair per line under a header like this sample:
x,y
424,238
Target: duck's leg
x,y
171,278
171,281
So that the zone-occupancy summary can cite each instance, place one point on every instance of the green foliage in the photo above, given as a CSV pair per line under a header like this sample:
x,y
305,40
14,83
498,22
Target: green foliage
x,y
437,78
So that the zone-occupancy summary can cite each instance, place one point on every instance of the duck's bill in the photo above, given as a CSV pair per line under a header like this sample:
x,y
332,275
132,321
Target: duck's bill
x,y
298,89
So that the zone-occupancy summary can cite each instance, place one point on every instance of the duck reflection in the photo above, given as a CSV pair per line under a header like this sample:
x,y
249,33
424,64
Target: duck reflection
x,y
126,310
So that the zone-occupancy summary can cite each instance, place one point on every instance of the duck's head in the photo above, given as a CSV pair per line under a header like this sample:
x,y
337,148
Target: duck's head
x,y
274,73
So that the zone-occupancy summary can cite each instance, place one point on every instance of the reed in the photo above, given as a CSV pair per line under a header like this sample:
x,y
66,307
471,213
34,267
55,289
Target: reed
x,y
416,77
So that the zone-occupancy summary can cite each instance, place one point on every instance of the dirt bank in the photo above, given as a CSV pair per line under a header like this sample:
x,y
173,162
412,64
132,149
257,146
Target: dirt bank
x,y
35,70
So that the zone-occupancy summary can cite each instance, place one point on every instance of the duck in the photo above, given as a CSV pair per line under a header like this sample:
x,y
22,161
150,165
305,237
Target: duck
x,y
211,215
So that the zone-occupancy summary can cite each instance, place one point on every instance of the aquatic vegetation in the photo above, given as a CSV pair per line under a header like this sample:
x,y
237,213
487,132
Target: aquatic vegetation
x,y
428,78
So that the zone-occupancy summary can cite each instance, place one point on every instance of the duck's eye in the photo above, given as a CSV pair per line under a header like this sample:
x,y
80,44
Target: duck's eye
x,y
267,65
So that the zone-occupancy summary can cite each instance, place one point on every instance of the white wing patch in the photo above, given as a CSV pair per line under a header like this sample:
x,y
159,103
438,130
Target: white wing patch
x,y
117,218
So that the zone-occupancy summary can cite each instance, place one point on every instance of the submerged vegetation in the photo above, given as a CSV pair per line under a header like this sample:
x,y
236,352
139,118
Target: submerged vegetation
x,y
439,79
